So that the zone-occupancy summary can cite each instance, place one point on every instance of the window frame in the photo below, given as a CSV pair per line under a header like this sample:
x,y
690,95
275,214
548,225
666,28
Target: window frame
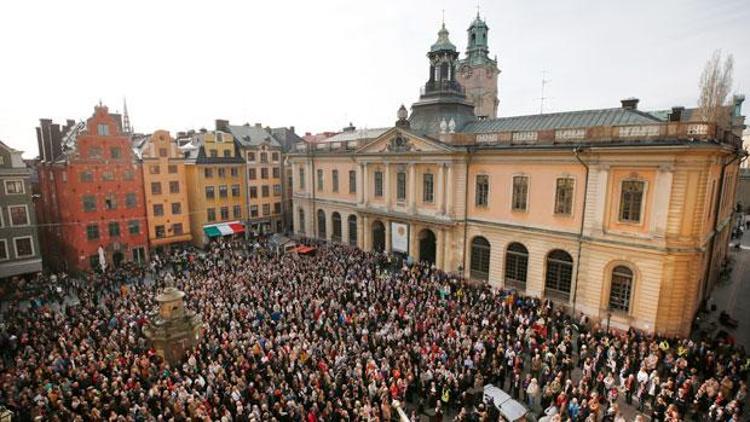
x,y
627,307
10,215
518,258
23,186
571,201
428,195
334,180
620,209
4,248
556,292
481,199
402,184
352,181
513,201
377,179
31,243
476,259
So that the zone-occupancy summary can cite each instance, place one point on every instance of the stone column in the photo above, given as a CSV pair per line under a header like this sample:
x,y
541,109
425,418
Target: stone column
x,y
413,243
441,189
387,187
662,195
363,237
362,184
446,247
387,224
412,188
440,248
449,191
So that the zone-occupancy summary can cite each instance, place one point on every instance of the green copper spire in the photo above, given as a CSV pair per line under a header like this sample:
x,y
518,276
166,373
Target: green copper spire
x,y
477,50
443,43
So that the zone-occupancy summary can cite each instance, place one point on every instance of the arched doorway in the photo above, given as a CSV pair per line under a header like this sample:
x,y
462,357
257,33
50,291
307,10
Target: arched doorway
x,y
336,230
427,246
378,236
353,230
322,224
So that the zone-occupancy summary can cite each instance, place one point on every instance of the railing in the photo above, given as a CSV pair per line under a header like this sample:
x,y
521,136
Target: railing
x,y
435,87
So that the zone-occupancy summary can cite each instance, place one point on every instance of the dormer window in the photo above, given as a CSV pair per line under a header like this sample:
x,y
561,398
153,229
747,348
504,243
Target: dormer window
x,y
102,129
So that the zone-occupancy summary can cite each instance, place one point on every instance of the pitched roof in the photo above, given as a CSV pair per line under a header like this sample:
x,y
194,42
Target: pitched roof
x,y
564,120
252,136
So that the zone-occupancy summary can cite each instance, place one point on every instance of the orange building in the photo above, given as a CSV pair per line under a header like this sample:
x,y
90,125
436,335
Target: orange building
x,y
164,180
619,213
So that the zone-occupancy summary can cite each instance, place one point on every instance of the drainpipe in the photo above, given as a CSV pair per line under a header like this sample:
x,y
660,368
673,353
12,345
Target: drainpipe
x,y
707,275
470,151
577,151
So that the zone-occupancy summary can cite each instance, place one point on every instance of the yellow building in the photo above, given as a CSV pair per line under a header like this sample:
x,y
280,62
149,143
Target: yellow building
x,y
621,214
262,153
167,210
216,185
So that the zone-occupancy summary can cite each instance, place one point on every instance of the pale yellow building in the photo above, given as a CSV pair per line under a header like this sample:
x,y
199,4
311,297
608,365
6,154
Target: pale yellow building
x,y
619,213
216,185
167,210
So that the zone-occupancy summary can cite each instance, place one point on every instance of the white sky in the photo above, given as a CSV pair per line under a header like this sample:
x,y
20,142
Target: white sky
x,y
317,64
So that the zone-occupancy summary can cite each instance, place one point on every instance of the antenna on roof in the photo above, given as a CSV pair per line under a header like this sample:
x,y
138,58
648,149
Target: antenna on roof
x,y
542,97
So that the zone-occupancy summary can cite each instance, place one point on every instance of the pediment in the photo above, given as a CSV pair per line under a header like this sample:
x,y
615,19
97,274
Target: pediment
x,y
399,141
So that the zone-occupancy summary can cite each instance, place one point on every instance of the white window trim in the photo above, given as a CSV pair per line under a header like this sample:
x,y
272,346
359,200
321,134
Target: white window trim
x,y
642,220
4,243
10,217
15,246
23,187
528,194
2,217
554,199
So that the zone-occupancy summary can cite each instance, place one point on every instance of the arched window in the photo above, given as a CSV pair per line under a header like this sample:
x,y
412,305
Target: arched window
x,y
516,265
336,229
321,224
621,288
353,230
480,259
301,221
559,274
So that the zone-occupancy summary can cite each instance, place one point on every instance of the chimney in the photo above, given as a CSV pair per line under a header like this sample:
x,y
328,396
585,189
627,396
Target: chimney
x,y
630,103
308,134
291,129
259,126
676,114
222,125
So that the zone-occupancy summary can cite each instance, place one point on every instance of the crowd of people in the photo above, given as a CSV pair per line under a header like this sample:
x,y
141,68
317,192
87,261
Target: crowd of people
x,y
340,336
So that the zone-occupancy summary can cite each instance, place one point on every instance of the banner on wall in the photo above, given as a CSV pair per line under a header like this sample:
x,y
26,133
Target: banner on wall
x,y
399,237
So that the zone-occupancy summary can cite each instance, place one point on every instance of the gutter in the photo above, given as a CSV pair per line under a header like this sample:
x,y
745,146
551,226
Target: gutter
x,y
577,151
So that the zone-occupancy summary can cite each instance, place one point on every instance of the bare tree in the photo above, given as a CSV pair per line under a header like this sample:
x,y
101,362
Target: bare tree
x,y
715,85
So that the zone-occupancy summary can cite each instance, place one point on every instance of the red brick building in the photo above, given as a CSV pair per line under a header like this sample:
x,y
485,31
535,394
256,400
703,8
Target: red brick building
x,y
91,196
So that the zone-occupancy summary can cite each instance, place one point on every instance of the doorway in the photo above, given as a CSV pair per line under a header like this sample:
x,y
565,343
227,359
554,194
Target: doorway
x,y
427,246
378,236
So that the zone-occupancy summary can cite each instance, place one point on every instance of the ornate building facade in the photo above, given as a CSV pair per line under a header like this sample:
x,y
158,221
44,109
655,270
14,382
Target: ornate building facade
x,y
618,213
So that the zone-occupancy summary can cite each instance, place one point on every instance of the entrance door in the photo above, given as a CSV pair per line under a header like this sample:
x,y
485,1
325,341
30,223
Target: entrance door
x,y
427,246
378,236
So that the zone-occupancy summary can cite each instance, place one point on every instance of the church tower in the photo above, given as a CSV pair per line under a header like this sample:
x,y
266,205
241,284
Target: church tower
x,y
478,73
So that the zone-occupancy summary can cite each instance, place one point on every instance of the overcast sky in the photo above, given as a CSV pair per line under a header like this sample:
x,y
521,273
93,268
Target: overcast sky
x,y
317,64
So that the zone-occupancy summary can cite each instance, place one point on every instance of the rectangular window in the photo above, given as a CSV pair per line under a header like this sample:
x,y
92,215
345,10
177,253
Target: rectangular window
x,y
115,153
251,174
276,172
264,173
130,200
14,187
234,172
155,188
211,214
263,157
222,172
352,181
631,199
277,207
237,211
172,169
134,227
224,213
335,180
564,196
320,179
24,246
89,203
427,188
110,201
253,192
264,191
227,153
92,232
176,208
209,192
208,173
127,175
160,231
108,176
276,190
520,193
235,191
19,215
275,156
223,191
102,129
213,153
174,187
95,153
114,229
378,179
87,176
158,210
154,169
401,186
253,211
3,250
163,153
266,209
301,178
177,229
482,191
250,156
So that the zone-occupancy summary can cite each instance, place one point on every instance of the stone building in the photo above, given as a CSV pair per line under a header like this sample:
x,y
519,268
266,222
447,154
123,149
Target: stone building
x,y
619,213
165,187
20,254
91,201
478,73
